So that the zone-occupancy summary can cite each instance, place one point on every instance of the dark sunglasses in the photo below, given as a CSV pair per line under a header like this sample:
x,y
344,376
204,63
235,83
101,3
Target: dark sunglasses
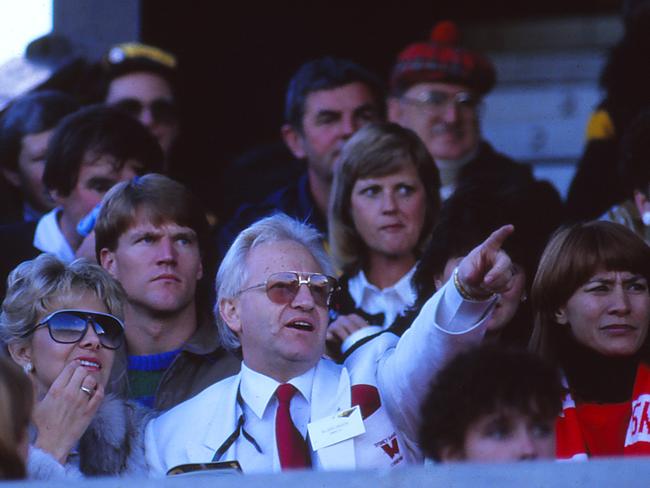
x,y
70,326
162,111
282,288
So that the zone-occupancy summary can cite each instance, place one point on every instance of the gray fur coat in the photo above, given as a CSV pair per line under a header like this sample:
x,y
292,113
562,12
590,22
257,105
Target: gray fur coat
x,y
113,445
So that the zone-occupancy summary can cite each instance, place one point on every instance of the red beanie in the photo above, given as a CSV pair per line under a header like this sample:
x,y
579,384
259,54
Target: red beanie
x,y
441,59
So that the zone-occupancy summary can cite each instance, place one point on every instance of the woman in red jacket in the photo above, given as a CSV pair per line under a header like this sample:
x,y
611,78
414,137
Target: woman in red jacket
x,y
592,309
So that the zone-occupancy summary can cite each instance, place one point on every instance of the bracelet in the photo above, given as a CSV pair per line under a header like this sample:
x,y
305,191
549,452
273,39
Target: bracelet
x,y
462,291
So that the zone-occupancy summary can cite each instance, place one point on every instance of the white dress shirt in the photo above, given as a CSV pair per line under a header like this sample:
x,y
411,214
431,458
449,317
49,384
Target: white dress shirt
x,y
49,238
260,405
197,429
390,301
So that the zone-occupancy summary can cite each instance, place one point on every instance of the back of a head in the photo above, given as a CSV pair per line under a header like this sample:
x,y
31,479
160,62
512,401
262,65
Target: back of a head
x,y
480,382
16,402
97,131
474,211
327,74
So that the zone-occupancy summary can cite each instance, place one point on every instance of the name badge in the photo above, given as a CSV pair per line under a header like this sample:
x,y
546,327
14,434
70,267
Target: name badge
x,y
331,430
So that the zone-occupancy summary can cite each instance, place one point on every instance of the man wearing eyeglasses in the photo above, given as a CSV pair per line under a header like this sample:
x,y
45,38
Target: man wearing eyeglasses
x,y
436,90
151,236
290,408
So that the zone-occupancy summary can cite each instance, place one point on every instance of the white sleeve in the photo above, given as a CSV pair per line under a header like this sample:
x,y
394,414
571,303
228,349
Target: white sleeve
x,y
446,324
154,463
41,465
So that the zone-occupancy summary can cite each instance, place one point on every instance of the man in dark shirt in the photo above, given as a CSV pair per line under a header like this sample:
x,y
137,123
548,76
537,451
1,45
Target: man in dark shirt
x,y
327,101
436,90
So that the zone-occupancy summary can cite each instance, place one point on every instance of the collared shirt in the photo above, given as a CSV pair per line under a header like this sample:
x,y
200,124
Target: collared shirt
x,y
49,238
260,405
390,301
197,430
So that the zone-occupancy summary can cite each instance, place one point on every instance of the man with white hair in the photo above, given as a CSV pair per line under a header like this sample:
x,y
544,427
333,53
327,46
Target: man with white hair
x,y
291,408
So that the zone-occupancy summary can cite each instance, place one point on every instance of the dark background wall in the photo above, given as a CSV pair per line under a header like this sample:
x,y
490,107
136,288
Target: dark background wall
x,y
237,57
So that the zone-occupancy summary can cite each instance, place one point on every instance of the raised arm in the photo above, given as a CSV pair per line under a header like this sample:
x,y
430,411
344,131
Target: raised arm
x,y
450,321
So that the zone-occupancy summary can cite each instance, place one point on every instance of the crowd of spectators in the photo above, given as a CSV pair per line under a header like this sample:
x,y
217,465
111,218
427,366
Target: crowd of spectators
x,y
400,293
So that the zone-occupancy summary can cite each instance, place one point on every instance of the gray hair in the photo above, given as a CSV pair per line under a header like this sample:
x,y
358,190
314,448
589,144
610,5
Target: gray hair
x,y
35,288
233,274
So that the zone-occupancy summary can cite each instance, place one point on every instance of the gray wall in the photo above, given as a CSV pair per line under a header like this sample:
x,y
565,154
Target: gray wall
x,y
95,25
548,72
628,473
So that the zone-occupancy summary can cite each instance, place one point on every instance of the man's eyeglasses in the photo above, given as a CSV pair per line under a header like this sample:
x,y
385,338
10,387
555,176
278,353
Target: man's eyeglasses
x,y
162,111
70,326
437,101
282,288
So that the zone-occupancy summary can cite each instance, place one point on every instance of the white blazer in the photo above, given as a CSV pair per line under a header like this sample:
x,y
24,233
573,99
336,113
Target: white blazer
x,y
400,369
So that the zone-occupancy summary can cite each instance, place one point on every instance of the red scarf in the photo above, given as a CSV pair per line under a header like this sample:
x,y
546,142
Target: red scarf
x,y
570,441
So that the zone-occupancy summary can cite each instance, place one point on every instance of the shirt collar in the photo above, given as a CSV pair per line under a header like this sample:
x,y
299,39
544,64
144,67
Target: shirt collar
x,y
361,289
257,389
49,238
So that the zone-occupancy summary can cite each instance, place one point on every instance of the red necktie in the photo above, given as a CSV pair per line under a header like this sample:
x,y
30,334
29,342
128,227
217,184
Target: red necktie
x,y
292,448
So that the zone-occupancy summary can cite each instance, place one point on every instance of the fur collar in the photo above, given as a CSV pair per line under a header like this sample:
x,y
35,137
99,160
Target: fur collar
x,y
114,441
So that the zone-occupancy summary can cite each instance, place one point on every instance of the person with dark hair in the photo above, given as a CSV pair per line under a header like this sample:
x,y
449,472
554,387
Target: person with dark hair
x,y
16,403
25,130
597,185
492,404
151,235
466,218
591,305
327,101
384,203
634,172
436,89
90,151
141,80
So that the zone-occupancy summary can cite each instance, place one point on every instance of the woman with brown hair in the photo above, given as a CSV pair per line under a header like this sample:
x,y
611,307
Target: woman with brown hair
x,y
592,309
384,202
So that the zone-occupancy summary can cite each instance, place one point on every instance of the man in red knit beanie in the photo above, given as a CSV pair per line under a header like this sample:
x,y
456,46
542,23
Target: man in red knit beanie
x,y
436,89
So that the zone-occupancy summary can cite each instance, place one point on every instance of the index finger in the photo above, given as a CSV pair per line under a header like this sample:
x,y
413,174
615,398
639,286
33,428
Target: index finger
x,y
498,237
64,377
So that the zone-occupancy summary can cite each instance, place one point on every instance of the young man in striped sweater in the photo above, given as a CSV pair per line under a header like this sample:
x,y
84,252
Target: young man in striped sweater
x,y
149,236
